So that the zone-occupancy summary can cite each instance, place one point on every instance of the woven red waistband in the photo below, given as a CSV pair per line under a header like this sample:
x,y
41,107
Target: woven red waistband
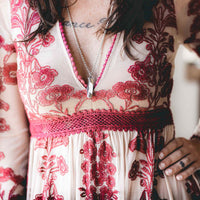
x,y
97,120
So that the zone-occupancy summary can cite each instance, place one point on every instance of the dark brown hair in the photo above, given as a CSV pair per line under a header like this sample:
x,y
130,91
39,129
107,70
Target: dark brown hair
x,y
128,16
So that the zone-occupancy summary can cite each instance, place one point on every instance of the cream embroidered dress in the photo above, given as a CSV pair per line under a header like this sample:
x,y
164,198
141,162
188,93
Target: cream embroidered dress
x,y
105,147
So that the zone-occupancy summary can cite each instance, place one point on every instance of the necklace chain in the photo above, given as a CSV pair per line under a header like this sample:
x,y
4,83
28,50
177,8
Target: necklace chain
x,y
91,80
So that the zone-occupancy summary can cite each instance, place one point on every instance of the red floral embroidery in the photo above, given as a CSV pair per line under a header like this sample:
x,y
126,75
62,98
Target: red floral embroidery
x,y
3,125
90,151
43,143
7,175
50,165
98,173
111,168
107,193
51,197
9,73
55,94
143,71
133,173
1,41
138,143
192,188
85,166
44,77
147,142
97,136
131,90
105,152
154,72
4,105
35,45
63,168
48,40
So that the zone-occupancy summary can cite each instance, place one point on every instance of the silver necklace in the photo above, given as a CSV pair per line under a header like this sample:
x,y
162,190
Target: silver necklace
x,y
91,79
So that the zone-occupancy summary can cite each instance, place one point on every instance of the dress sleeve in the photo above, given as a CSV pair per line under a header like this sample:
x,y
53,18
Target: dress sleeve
x,y
188,23
14,137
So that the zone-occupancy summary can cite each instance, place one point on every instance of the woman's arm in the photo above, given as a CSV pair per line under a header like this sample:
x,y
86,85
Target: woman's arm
x,y
14,138
181,157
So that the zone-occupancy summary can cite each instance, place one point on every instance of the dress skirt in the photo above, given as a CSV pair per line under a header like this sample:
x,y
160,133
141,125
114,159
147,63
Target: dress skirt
x,y
104,162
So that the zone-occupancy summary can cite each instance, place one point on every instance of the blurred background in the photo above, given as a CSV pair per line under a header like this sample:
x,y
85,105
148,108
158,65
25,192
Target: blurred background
x,y
185,99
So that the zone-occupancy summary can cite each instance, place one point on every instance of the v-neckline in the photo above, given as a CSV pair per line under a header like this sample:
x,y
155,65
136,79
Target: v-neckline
x,y
73,64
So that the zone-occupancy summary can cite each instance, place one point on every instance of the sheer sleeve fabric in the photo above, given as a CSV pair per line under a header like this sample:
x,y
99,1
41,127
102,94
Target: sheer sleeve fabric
x,y
14,138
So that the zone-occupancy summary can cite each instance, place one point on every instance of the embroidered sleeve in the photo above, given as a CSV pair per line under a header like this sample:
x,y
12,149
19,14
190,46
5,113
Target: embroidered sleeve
x,y
14,138
188,23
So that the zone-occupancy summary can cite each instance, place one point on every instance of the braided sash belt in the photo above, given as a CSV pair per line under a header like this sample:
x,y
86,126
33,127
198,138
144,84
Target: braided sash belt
x,y
97,120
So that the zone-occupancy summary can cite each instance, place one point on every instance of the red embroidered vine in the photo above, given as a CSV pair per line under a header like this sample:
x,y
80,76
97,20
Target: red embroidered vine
x,y
145,168
7,77
99,176
50,165
8,175
155,70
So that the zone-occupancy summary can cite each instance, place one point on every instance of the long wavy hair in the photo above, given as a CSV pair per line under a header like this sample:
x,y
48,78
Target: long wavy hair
x,y
128,16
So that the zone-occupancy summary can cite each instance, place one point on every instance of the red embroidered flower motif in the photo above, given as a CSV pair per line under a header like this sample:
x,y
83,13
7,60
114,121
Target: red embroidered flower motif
x,y
90,193
85,166
7,174
34,46
105,152
9,73
193,187
44,77
9,47
56,197
4,105
97,136
164,72
103,170
49,144
63,168
55,94
138,143
111,168
131,90
110,181
47,163
86,180
48,39
133,173
139,37
107,194
90,151
1,41
96,175
3,126
143,71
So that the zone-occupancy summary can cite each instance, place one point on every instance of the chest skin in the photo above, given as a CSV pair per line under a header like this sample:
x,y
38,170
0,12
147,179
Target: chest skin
x,y
87,17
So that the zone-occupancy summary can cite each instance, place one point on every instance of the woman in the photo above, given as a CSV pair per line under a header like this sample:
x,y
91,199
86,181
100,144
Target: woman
x,y
98,104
